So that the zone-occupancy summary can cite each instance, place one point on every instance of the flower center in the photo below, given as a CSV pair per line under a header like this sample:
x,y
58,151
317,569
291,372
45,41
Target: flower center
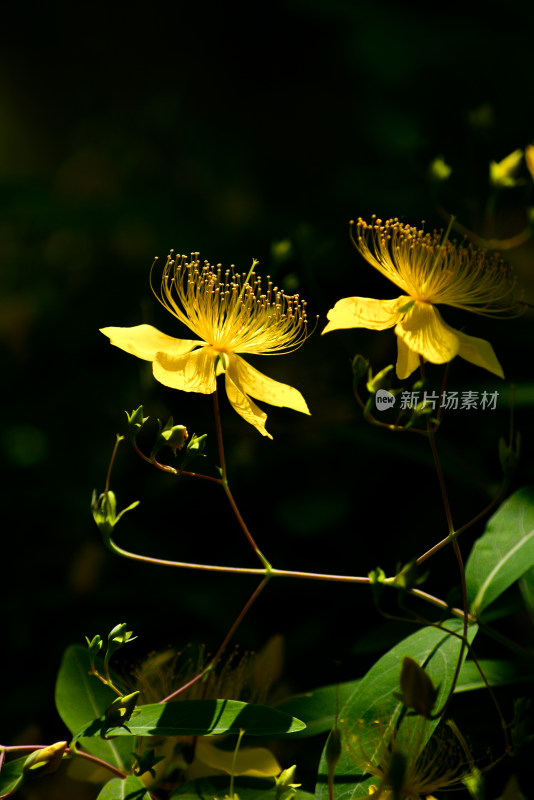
x,y
230,311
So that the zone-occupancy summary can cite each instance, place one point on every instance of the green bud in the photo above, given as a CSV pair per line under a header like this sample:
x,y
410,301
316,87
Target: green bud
x,y
418,691
94,645
377,576
439,170
120,711
333,752
195,448
474,784
135,422
504,174
284,785
117,638
104,508
509,454
408,576
45,760
381,381
377,580
360,368
173,436
333,748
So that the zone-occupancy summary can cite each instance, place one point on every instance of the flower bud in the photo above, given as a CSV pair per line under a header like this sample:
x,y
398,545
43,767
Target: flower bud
x,y
504,173
418,691
360,366
45,760
381,381
120,711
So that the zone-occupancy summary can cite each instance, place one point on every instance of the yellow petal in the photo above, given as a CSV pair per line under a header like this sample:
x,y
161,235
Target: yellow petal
x,y
266,389
144,341
479,352
257,762
365,312
193,372
423,331
240,402
407,360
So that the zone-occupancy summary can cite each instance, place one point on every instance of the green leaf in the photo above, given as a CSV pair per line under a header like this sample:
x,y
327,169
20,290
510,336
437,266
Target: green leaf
x,y
245,788
11,776
497,672
80,697
526,587
130,788
373,707
201,718
317,708
504,553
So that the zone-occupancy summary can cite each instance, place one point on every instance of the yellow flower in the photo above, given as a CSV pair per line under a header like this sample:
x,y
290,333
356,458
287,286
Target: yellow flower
x,y
386,754
230,315
429,270
248,677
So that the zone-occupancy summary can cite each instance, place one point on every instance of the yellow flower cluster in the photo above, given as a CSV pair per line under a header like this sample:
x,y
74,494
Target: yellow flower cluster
x,y
231,314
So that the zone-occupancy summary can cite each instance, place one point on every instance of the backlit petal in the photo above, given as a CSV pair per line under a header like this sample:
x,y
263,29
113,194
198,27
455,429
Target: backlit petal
x,y
365,312
423,331
479,352
266,389
257,762
241,402
193,372
407,360
144,341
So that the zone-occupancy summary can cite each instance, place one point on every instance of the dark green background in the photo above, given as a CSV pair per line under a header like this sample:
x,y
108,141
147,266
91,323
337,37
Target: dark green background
x,y
126,131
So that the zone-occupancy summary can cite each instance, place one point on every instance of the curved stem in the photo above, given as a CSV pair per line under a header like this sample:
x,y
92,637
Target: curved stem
x,y
226,488
173,470
458,554
444,542
280,573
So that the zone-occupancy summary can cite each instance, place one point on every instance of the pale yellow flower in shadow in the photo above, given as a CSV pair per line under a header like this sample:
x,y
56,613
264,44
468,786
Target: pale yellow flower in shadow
x,y
430,270
403,767
250,677
230,314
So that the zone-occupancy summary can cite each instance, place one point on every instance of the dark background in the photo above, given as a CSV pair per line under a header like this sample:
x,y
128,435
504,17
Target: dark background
x,y
129,130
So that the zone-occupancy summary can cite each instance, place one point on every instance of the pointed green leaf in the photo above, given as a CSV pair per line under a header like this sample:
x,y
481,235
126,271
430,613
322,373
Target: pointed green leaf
x,y
130,788
317,708
498,673
504,553
201,718
11,776
80,698
374,707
